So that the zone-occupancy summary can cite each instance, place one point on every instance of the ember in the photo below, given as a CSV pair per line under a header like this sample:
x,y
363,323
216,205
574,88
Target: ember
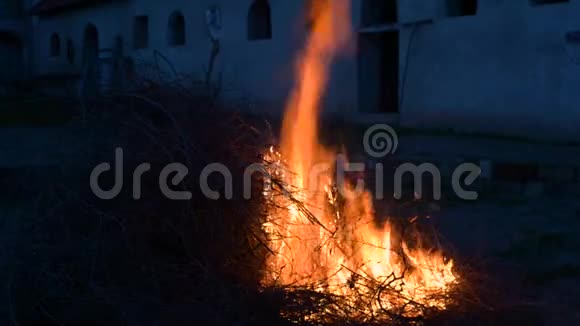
x,y
328,240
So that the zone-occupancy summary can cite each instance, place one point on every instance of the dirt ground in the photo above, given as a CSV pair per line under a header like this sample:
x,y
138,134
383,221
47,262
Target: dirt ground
x,y
530,243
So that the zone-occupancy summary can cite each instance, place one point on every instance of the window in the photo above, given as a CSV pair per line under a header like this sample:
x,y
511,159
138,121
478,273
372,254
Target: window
x,y
376,12
54,45
70,51
176,29
141,32
547,2
259,21
457,8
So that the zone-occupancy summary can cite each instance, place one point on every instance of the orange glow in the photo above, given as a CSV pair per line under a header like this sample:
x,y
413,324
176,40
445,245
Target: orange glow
x,y
323,241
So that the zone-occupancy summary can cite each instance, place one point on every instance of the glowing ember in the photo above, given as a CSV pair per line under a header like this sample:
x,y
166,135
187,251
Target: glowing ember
x,y
328,240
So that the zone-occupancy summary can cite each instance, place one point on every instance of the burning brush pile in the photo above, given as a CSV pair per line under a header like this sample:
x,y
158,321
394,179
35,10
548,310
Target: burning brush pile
x,y
330,255
327,248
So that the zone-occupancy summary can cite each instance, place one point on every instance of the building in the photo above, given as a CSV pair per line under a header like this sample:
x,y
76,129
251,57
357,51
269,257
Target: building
x,y
488,66
14,33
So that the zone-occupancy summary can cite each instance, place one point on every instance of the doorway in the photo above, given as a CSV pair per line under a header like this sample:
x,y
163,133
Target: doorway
x,y
378,77
90,44
12,63
90,61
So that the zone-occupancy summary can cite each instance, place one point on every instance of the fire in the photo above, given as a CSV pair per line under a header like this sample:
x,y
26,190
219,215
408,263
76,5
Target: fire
x,y
327,239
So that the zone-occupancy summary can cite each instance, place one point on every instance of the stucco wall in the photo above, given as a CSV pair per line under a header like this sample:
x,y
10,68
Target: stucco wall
x,y
262,71
110,21
254,69
506,70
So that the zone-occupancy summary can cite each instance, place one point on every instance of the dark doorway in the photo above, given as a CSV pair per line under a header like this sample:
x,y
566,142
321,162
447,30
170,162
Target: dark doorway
x,y
90,45
378,76
12,63
377,12
119,73
70,51
461,8
10,39
90,61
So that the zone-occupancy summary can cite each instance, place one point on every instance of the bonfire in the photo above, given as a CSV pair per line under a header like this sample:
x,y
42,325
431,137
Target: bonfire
x,y
325,238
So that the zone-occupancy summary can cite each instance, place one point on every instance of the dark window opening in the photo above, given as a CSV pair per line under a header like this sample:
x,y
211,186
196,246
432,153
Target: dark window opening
x,y
176,29
10,39
90,43
54,45
376,12
378,76
89,61
259,21
457,8
547,2
141,32
70,51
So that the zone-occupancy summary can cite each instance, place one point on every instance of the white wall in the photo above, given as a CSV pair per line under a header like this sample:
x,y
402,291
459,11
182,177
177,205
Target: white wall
x,y
260,69
506,70
110,21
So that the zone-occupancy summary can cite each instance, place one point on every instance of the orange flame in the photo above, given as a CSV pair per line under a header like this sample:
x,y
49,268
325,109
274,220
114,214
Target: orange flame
x,y
318,246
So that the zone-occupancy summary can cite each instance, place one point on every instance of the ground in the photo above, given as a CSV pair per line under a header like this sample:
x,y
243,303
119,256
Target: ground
x,y
532,243
517,236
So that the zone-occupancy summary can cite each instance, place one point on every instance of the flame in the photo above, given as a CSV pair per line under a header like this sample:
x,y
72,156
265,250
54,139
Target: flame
x,y
328,239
